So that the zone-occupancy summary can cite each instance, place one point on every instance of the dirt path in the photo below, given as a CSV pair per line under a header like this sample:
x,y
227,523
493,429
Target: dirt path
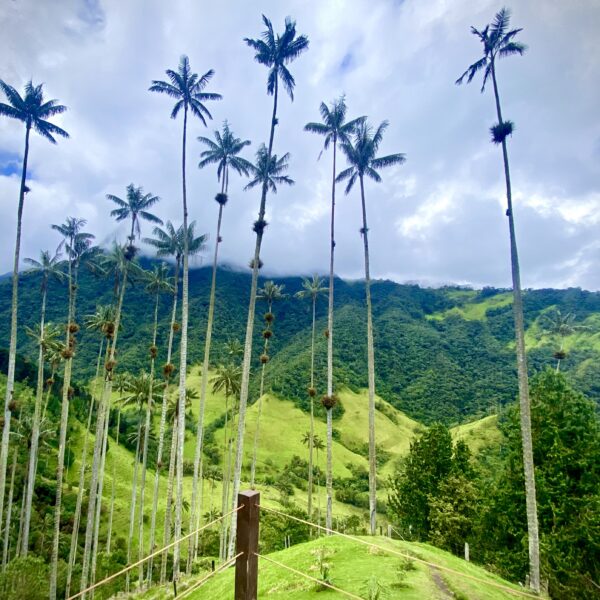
x,y
445,591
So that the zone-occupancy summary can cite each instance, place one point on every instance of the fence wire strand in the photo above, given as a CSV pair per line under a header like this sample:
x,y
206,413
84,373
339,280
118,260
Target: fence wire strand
x,y
319,581
153,554
202,581
402,554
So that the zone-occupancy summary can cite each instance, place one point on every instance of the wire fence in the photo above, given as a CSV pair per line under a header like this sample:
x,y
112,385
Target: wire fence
x,y
404,555
199,584
311,578
152,555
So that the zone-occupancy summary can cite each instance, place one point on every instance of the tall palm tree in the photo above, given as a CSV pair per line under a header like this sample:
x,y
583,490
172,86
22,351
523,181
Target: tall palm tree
x,y
224,153
274,52
559,325
118,263
312,288
139,391
48,267
158,282
187,89
499,42
226,379
34,112
270,293
169,243
120,383
77,242
102,322
336,130
361,154
134,207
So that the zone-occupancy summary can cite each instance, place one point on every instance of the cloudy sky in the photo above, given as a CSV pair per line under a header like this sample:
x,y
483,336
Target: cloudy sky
x,y
439,218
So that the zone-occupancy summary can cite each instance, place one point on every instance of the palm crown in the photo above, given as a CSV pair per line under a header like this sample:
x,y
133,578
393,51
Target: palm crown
x,y
227,379
186,87
271,292
334,126
224,153
269,171
170,242
32,110
497,41
135,207
276,51
311,288
158,279
361,153
76,240
48,266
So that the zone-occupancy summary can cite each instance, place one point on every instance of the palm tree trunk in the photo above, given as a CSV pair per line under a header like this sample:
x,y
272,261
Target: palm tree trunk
x,y
145,447
133,500
312,407
525,408
162,426
80,489
9,509
239,455
371,372
96,538
182,365
329,474
12,352
64,419
194,521
259,412
226,436
35,433
169,504
112,492
102,409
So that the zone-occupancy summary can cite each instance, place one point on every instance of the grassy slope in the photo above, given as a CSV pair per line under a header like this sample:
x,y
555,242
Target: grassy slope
x,y
470,308
352,566
282,426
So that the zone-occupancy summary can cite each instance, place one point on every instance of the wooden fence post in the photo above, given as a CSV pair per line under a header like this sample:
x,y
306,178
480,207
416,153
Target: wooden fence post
x,y
246,565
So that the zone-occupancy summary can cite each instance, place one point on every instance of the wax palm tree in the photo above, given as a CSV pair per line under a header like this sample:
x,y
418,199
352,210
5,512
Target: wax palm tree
x,y
187,89
499,42
559,325
169,243
157,283
312,289
32,110
275,52
361,154
139,391
271,292
118,263
134,207
47,267
224,153
77,242
234,349
120,383
268,171
226,380
336,131
319,446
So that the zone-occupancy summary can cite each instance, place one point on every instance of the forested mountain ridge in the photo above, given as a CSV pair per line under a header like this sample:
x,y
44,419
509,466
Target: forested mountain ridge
x,y
442,354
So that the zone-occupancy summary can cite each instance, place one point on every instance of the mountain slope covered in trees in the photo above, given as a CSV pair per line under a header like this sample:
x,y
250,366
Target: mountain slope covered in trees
x,y
444,354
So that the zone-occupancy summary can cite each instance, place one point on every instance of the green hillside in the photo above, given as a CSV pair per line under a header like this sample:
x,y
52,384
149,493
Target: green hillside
x,y
443,354
357,568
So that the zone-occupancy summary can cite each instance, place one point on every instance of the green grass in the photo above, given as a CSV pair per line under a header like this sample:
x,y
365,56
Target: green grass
x,y
472,310
478,434
353,565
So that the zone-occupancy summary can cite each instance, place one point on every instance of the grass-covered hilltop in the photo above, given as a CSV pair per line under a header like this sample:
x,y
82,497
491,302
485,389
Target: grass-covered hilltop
x,y
329,437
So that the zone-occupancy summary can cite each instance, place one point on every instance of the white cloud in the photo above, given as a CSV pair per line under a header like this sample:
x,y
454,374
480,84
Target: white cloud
x,y
438,218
